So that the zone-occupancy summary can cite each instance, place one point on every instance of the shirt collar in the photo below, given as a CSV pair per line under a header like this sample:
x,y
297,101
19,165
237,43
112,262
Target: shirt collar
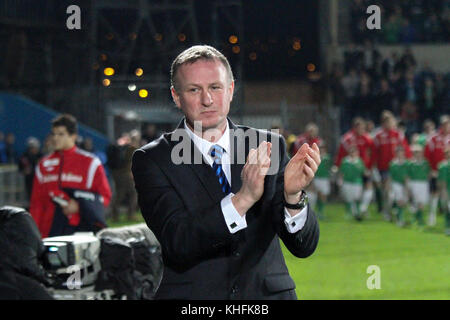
x,y
204,145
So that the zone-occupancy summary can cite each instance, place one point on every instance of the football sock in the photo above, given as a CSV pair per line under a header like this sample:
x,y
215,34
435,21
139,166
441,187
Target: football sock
x,y
366,198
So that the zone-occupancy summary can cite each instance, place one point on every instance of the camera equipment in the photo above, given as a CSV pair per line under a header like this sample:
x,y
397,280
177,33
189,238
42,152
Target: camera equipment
x,y
73,261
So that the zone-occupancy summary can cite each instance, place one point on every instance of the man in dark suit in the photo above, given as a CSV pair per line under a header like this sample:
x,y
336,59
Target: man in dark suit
x,y
219,196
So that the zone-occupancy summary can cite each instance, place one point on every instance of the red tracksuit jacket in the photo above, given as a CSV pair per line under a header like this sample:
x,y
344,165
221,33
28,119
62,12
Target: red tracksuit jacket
x,y
304,138
435,148
385,142
364,144
74,169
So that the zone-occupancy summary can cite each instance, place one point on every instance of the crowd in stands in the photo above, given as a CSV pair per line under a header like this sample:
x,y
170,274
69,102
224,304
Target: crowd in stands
x,y
368,82
403,22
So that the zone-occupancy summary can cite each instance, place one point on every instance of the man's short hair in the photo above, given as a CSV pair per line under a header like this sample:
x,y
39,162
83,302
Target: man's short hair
x,y
195,53
68,121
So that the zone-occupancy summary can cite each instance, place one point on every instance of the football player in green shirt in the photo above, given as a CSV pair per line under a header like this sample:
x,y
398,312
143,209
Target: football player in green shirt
x,y
419,173
322,180
352,170
444,184
398,175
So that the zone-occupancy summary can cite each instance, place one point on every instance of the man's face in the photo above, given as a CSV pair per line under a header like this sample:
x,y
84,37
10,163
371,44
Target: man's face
x,y
389,123
62,140
204,93
360,128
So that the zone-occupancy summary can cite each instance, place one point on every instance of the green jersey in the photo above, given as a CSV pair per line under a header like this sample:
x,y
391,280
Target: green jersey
x,y
323,171
352,170
422,139
419,170
398,170
444,173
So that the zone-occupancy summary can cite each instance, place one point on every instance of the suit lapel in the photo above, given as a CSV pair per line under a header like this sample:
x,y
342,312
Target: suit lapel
x,y
205,173
202,171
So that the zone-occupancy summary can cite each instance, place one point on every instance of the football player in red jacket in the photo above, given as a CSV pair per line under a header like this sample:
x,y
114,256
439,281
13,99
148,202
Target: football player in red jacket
x,y
70,188
386,141
435,153
359,138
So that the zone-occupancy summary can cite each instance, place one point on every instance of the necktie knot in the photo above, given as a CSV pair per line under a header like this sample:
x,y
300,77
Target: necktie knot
x,y
216,153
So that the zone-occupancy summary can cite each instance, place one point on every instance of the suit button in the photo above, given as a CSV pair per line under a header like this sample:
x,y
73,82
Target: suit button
x,y
236,254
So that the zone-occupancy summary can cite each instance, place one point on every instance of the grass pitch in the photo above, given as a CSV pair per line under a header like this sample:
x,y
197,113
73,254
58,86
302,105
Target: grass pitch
x,y
414,264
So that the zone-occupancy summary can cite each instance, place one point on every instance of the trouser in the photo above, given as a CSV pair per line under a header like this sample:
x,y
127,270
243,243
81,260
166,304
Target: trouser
x,y
124,190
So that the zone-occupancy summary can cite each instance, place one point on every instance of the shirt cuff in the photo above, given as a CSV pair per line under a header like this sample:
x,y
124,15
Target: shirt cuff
x,y
233,219
295,223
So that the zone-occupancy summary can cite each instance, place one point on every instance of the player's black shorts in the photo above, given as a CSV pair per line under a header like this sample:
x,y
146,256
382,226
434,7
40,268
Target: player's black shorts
x,y
433,184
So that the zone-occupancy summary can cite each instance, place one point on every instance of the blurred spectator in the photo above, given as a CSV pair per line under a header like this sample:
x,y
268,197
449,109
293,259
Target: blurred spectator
x,y
149,133
352,58
384,97
370,58
407,61
428,99
433,31
287,135
388,64
409,90
367,86
119,161
28,162
363,104
335,83
88,145
391,29
48,146
10,150
409,116
310,136
409,21
408,33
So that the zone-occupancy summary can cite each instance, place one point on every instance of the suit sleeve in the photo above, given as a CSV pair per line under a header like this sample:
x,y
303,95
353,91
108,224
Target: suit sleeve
x,y
185,237
303,242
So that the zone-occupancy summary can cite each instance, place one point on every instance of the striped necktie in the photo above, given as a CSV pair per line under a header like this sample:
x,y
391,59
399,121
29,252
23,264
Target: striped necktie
x,y
216,153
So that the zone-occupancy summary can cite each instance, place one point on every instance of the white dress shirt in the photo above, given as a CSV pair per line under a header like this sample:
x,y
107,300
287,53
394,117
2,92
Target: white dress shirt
x,y
233,219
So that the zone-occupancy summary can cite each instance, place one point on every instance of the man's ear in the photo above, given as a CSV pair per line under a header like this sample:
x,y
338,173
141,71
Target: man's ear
x,y
231,90
175,96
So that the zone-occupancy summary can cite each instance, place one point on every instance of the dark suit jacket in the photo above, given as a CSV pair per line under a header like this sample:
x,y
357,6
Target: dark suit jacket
x,y
202,259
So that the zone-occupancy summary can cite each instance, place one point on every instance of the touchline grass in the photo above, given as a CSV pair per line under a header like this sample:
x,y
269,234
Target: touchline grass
x,y
413,263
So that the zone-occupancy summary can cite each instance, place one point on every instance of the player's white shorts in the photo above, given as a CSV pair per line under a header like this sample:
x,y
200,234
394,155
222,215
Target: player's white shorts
x,y
420,192
351,191
399,192
322,185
